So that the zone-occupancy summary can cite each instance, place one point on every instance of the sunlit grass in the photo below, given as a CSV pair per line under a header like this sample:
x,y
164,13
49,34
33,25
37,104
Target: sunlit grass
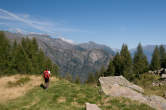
x,y
63,95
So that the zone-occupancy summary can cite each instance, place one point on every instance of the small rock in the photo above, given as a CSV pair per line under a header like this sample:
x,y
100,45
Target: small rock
x,y
164,95
92,107
163,76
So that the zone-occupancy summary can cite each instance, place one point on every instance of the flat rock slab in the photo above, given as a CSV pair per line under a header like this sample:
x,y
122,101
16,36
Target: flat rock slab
x,y
92,107
118,86
120,80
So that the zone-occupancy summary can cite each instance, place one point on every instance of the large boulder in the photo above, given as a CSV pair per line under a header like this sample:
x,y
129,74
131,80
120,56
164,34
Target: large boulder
x,y
118,86
120,80
92,107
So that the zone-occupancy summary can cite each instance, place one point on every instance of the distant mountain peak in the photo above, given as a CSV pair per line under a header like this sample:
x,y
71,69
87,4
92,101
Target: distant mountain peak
x,y
39,35
91,42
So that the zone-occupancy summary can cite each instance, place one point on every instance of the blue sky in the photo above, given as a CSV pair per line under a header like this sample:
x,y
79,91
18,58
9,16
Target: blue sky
x,y
110,22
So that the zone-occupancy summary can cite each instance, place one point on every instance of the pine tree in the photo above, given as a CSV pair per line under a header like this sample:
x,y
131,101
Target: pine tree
x,y
41,60
13,65
102,71
110,70
68,77
117,62
77,80
140,63
24,64
4,53
126,61
55,69
35,53
97,75
155,62
91,78
162,56
35,45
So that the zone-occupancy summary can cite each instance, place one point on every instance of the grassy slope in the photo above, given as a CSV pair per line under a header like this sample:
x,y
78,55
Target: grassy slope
x,y
63,95
146,81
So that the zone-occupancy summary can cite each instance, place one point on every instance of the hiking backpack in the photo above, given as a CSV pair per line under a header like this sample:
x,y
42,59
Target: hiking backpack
x,y
46,74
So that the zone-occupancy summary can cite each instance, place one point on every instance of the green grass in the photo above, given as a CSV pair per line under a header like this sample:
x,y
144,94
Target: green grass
x,y
63,95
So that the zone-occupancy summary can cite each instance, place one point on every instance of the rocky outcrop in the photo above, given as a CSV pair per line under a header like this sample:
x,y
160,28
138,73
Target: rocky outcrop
x,y
161,72
118,86
159,83
92,107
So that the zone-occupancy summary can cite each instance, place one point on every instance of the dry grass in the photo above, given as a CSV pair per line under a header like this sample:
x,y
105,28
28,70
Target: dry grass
x,y
8,93
61,100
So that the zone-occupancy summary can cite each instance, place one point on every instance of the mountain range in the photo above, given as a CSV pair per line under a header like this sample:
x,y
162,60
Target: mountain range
x,y
76,59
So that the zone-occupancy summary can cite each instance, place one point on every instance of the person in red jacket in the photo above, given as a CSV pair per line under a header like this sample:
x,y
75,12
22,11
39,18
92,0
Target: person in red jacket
x,y
46,76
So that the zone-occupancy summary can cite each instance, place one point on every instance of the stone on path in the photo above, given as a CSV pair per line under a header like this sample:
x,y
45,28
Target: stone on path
x,y
92,107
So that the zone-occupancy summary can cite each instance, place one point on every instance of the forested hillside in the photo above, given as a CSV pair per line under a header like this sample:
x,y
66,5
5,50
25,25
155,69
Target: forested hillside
x,y
24,57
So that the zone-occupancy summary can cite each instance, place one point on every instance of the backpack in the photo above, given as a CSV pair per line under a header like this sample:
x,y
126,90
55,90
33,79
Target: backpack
x,y
46,74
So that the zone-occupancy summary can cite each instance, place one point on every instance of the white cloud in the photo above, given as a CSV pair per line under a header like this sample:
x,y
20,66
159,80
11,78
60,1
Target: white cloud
x,y
67,40
26,21
18,30
44,26
24,15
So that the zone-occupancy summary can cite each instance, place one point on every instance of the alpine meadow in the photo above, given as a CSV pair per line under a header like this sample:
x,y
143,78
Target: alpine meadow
x,y
82,55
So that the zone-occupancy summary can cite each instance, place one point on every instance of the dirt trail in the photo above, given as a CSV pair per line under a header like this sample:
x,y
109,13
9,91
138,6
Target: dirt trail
x,y
8,93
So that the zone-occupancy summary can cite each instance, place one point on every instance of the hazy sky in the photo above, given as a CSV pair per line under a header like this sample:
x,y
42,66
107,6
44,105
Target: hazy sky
x,y
110,22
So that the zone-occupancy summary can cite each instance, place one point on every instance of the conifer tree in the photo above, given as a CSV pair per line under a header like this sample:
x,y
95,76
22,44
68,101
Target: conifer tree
x,y
35,45
77,80
13,66
102,71
91,78
155,62
97,75
162,56
4,53
126,61
117,62
110,70
68,77
34,54
41,60
140,63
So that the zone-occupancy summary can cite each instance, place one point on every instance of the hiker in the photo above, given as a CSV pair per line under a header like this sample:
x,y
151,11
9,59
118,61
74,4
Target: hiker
x,y
46,76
